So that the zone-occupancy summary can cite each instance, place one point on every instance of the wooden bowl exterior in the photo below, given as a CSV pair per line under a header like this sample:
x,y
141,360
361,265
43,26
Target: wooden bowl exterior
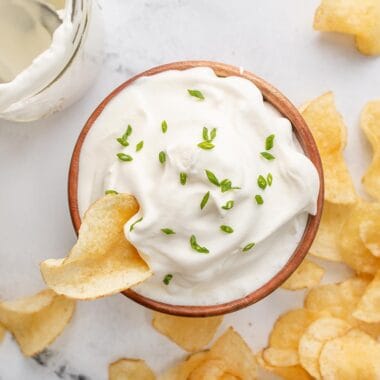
x,y
286,108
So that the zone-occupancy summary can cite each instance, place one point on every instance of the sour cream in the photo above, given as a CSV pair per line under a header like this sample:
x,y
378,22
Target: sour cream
x,y
234,250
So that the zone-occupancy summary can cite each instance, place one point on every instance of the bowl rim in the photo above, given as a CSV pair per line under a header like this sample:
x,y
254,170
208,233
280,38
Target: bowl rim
x,y
306,140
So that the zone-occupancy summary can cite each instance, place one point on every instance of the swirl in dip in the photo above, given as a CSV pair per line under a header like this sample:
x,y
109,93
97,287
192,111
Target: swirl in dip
x,y
223,185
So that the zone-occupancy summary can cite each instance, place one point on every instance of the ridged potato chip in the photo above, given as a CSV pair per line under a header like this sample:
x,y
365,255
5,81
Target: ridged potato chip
x,y
36,321
369,231
352,249
2,333
286,373
191,334
213,369
340,300
360,18
230,348
307,275
102,262
130,369
315,336
329,132
368,309
370,124
326,243
290,326
280,357
354,356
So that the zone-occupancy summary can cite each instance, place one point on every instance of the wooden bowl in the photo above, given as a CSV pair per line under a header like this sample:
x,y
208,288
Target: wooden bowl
x,y
286,108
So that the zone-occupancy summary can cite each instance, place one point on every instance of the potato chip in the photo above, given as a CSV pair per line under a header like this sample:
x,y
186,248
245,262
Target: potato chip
x,y
287,373
280,357
315,336
360,18
352,249
102,262
340,300
212,369
191,334
36,321
353,356
2,333
370,124
329,132
307,275
290,326
130,369
238,360
326,243
369,231
368,309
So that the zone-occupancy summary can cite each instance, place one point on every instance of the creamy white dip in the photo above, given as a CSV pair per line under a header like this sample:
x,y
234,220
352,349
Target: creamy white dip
x,y
243,121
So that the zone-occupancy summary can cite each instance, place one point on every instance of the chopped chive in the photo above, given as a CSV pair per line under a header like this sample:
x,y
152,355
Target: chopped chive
x,y
162,157
167,279
167,231
139,146
248,247
128,131
228,205
205,200
261,182
213,134
196,94
205,134
124,157
270,179
194,245
212,178
259,199
122,141
133,224
164,126
226,185
267,155
269,142
206,145
183,178
113,192
226,229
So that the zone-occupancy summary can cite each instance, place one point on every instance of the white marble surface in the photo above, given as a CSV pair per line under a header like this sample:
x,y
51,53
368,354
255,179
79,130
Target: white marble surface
x,y
272,38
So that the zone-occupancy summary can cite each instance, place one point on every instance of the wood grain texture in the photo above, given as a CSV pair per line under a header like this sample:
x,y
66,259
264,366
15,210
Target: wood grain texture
x,y
302,132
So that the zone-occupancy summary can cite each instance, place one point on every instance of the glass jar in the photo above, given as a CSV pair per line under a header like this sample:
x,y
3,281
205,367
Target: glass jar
x,y
59,75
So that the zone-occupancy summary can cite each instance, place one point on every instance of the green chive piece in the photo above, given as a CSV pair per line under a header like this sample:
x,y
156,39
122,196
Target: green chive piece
x,y
267,155
139,146
167,279
270,179
248,247
194,245
213,134
205,200
133,224
113,192
259,199
205,134
269,142
261,182
226,229
212,178
228,205
122,141
124,157
225,185
183,178
167,231
196,94
164,126
129,131
206,145
162,157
